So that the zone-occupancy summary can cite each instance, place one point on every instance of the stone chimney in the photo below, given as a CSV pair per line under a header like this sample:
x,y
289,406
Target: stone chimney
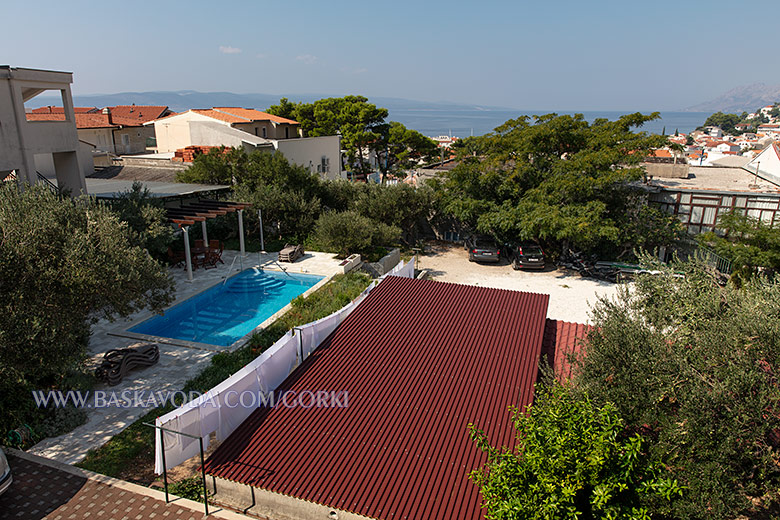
x,y
107,112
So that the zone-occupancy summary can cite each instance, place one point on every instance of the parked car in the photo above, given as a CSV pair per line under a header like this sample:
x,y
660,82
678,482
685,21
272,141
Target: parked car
x,y
526,256
482,250
5,473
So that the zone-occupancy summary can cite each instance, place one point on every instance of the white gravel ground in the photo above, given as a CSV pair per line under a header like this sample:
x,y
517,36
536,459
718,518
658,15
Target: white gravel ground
x,y
571,296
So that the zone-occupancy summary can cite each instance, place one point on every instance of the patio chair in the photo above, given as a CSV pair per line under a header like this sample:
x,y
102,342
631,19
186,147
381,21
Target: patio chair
x,y
290,253
216,247
199,243
117,363
176,258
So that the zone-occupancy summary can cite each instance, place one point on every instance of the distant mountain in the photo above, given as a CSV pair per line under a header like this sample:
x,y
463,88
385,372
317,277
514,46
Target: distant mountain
x,y
747,98
179,101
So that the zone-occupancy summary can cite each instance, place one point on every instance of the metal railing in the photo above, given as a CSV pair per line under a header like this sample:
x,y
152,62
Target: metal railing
x,y
52,187
711,258
706,255
165,469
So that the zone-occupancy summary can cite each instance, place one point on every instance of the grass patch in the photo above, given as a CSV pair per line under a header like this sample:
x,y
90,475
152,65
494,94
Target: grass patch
x,y
129,455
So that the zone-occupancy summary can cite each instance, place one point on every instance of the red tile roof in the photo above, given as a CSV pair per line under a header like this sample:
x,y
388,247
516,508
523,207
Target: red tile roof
x,y
420,361
255,115
241,115
562,341
136,115
83,121
220,115
45,116
61,110
99,120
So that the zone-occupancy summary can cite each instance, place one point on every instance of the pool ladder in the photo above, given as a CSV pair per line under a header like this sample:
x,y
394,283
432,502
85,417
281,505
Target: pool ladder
x,y
230,269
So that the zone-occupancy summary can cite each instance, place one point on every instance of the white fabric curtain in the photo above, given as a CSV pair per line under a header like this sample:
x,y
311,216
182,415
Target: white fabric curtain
x,y
236,403
275,369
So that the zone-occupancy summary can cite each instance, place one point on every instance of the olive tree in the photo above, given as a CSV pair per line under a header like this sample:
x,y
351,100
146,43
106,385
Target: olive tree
x,y
63,264
694,366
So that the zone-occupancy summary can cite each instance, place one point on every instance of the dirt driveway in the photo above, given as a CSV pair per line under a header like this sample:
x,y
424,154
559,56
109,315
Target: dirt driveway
x,y
571,296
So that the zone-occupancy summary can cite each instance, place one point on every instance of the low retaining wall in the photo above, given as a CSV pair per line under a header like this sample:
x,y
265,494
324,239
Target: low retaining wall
x,y
384,265
264,503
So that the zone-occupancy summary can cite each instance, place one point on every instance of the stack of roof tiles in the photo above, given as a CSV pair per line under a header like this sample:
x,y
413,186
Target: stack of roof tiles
x,y
420,360
189,153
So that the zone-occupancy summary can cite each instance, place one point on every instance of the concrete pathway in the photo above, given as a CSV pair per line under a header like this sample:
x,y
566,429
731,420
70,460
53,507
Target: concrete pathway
x,y
47,489
177,364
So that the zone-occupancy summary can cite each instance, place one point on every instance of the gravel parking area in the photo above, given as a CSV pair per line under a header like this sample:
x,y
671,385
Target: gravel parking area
x,y
571,296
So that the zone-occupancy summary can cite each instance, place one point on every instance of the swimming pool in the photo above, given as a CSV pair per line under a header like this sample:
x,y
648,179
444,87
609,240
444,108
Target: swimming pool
x,y
227,312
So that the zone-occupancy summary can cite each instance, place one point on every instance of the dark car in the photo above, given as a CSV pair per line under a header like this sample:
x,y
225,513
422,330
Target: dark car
x,y
526,256
483,250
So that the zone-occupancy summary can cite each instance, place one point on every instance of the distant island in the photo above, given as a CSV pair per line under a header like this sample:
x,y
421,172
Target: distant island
x,y
181,100
741,99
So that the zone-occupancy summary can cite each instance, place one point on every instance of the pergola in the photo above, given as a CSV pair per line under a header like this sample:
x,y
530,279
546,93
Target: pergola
x,y
186,215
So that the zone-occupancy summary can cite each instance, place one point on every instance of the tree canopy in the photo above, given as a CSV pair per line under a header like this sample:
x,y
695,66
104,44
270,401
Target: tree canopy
x,y
557,179
750,244
62,264
692,367
726,122
292,200
364,131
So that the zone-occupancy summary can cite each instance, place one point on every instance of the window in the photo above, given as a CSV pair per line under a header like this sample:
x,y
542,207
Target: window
x,y
265,132
324,165
287,132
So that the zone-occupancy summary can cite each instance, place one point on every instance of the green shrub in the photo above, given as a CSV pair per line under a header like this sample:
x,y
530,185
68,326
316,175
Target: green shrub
x,y
573,460
145,216
349,232
694,365
190,488
63,263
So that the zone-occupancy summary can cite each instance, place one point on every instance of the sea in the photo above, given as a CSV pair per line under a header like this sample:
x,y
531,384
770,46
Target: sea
x,y
477,121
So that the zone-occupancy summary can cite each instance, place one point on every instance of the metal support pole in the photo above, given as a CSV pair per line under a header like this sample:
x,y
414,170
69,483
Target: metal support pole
x,y
203,475
262,241
297,331
241,230
187,254
165,468
160,429
205,234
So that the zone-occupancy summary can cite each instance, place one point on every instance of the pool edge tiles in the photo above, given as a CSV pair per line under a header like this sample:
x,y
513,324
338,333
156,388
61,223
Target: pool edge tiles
x,y
130,330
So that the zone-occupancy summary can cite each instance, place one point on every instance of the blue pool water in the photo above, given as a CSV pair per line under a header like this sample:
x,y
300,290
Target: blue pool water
x,y
225,313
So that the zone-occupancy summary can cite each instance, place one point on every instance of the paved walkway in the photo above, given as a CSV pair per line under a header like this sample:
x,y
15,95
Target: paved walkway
x,y
177,364
46,489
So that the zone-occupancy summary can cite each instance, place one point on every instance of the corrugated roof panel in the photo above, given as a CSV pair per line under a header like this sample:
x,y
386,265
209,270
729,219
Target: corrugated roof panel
x,y
562,340
420,360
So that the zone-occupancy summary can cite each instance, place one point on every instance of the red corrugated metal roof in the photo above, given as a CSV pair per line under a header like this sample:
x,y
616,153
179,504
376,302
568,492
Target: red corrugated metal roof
x,y
420,360
563,339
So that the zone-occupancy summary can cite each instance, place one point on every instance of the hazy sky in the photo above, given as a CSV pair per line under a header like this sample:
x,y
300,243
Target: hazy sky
x,y
557,55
